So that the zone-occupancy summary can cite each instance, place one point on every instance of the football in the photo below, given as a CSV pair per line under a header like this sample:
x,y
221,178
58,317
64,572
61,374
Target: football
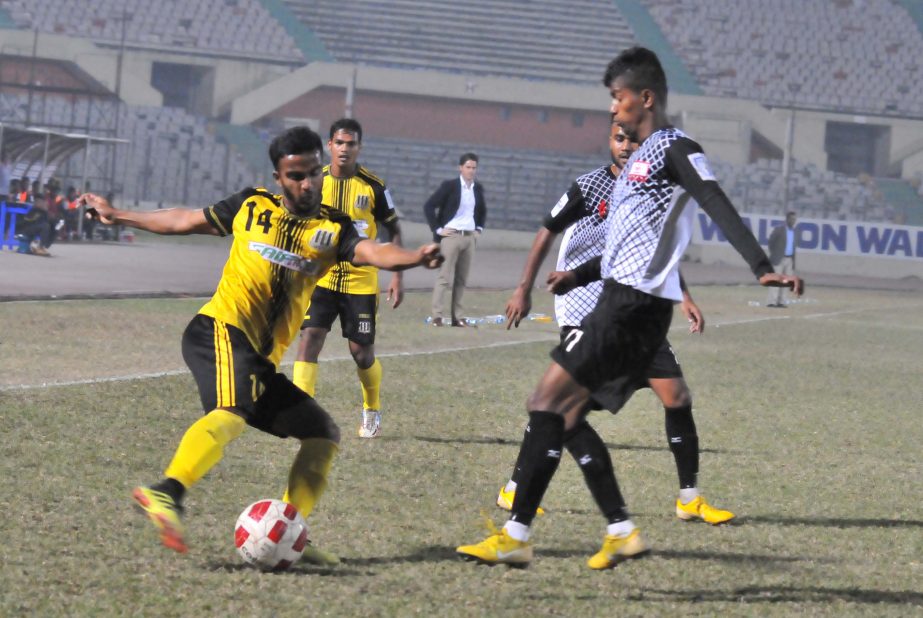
x,y
270,535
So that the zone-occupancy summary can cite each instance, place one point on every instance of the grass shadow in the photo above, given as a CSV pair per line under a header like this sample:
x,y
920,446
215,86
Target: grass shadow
x,y
508,442
429,553
298,569
783,594
479,440
829,522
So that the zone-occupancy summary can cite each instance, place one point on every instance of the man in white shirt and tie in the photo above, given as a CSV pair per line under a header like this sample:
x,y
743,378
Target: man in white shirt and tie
x,y
456,214
783,241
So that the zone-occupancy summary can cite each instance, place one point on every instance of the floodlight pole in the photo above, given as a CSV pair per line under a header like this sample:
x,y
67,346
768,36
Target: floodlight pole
x,y
787,159
83,187
45,156
350,93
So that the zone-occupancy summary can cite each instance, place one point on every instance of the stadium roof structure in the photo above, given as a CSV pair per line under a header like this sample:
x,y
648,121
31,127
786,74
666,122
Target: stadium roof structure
x,y
27,146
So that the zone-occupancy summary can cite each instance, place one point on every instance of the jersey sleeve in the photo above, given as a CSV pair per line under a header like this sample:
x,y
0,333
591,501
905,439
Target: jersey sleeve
x,y
569,209
349,238
221,215
384,205
688,166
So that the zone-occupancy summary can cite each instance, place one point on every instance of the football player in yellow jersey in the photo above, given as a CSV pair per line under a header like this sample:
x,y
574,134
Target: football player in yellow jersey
x,y
349,291
282,245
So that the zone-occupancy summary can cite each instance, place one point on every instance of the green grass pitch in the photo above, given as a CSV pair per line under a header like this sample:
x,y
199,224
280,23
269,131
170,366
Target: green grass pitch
x,y
809,420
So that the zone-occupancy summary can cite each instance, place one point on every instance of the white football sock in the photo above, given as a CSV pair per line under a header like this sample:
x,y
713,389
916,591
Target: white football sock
x,y
510,486
516,530
688,494
621,528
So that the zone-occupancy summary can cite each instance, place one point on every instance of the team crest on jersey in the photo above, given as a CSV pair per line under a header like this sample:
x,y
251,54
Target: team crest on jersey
x,y
639,171
362,202
702,168
602,209
285,259
362,227
321,240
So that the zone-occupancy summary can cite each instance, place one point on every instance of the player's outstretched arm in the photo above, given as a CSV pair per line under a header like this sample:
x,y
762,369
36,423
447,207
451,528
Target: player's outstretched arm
x,y
167,221
392,257
396,286
690,309
520,303
775,280
561,282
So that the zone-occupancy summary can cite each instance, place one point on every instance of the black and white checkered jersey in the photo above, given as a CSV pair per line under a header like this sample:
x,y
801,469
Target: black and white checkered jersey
x,y
581,215
651,215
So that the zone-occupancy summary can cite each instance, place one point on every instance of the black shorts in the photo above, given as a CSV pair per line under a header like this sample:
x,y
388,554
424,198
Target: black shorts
x,y
357,314
613,349
231,374
665,365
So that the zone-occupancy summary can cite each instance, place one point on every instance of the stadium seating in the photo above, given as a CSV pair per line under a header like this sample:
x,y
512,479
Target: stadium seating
x,y
539,39
857,56
523,185
173,157
227,27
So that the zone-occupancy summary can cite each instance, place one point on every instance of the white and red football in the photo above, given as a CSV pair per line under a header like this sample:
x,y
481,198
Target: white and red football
x,y
271,535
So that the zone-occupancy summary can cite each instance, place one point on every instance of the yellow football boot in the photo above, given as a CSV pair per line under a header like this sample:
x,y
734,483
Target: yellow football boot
x,y
164,513
498,548
618,549
505,501
699,509
315,555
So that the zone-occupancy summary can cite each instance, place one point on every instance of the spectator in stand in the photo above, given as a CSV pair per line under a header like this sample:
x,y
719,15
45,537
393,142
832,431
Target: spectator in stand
x,y
71,213
24,196
36,228
14,191
54,205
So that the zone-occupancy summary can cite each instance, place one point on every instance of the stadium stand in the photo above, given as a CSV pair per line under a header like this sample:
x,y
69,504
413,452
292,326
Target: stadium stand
x,y
173,157
521,185
240,28
539,39
822,55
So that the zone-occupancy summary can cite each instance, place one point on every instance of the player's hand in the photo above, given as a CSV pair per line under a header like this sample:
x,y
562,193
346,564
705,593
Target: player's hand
x,y
693,315
98,207
561,281
430,257
518,307
775,280
396,290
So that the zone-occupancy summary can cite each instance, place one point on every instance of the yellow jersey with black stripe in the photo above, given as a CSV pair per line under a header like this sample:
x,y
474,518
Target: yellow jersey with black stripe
x,y
275,262
365,199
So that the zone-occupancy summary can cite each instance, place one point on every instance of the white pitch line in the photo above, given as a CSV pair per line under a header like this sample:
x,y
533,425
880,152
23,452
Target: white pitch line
x,y
176,372
499,344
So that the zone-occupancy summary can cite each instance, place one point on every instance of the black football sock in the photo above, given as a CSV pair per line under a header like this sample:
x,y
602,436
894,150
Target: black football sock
x,y
172,488
540,455
591,454
519,459
684,442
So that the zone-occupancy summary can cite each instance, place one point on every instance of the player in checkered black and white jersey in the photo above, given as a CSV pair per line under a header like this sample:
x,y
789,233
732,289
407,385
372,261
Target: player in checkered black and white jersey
x,y
581,215
648,231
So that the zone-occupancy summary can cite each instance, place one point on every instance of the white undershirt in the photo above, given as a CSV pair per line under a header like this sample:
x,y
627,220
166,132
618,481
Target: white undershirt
x,y
464,218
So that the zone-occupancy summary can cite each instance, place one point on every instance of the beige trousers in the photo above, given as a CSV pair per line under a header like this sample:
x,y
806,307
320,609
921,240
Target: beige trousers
x,y
785,267
458,251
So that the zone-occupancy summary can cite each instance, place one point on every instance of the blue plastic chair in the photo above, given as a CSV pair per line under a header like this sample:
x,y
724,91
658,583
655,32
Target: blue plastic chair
x,y
8,233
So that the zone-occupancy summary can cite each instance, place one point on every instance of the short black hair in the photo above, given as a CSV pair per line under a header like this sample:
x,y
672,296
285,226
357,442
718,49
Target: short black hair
x,y
468,156
641,70
294,141
350,125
